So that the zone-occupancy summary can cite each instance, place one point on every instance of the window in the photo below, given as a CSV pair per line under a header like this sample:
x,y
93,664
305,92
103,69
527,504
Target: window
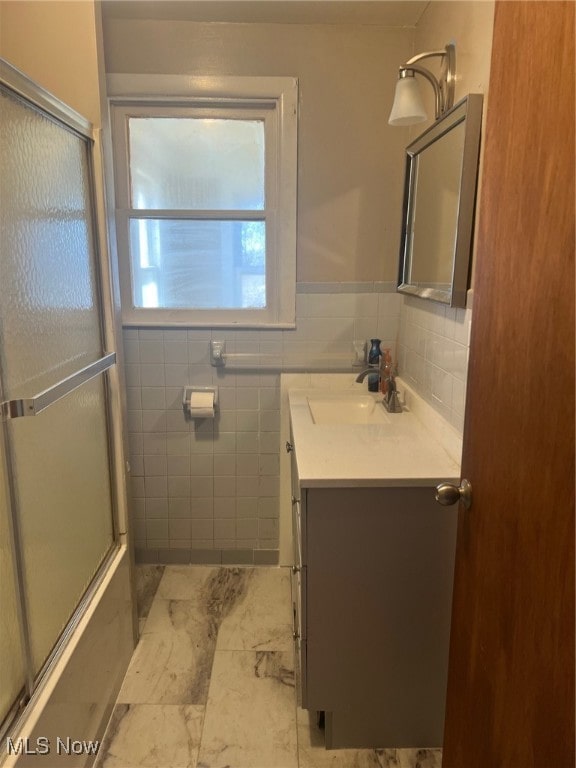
x,y
205,179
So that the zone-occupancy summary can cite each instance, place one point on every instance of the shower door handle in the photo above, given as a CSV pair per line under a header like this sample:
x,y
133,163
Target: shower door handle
x,y
31,406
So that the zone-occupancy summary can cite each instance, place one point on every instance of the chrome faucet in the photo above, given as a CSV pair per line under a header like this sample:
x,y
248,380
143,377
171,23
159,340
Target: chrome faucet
x,y
390,401
366,372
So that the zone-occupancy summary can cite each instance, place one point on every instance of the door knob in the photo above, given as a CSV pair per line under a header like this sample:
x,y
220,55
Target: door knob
x,y
448,494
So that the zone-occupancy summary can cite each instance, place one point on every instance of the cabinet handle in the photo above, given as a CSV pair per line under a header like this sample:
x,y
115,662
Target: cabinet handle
x,y
296,569
295,501
289,447
295,635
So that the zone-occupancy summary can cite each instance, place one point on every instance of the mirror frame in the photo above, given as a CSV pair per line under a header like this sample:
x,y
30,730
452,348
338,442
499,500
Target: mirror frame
x,y
469,110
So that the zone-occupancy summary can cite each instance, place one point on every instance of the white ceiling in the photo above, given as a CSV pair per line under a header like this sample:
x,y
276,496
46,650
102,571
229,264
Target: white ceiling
x,y
391,13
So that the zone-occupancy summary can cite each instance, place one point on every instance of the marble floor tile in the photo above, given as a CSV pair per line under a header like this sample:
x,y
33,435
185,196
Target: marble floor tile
x,y
262,618
420,758
177,616
313,754
250,719
173,660
223,590
199,596
152,736
147,581
186,582
170,667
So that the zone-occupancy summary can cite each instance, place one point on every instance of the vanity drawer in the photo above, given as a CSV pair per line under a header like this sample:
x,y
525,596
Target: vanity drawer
x,y
298,572
298,579
297,531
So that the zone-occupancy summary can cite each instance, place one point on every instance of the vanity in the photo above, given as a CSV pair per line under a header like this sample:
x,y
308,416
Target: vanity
x,y
373,567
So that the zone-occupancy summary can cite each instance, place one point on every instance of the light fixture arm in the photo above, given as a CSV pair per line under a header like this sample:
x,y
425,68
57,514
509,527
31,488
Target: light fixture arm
x,y
444,85
409,72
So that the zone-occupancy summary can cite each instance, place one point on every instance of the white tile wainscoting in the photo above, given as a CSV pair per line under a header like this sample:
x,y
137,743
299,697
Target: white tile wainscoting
x,y
208,491
433,349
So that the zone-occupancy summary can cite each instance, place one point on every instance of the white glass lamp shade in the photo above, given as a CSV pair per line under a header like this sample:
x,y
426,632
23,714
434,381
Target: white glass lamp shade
x,y
407,108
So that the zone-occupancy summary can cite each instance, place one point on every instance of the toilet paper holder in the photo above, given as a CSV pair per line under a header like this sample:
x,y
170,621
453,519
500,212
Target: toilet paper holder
x,y
207,406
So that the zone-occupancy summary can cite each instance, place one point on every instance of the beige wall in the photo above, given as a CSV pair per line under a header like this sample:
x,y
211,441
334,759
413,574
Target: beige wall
x,y
469,25
54,43
350,160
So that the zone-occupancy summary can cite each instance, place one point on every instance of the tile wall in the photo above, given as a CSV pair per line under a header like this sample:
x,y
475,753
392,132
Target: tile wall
x,y
433,348
208,492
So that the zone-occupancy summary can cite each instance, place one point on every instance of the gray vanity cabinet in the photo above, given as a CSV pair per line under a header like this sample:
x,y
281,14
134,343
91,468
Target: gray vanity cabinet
x,y
299,587
372,593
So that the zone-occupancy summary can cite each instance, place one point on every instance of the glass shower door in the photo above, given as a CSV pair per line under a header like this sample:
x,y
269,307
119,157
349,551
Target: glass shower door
x,y
53,367
60,462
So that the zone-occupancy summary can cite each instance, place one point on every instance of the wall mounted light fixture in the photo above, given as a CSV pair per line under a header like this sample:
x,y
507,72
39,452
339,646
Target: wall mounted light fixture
x,y
408,108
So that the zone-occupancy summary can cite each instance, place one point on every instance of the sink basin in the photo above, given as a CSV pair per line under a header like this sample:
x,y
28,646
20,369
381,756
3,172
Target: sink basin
x,y
346,408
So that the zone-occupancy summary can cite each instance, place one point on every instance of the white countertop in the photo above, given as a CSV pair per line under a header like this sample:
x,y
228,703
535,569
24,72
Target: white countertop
x,y
401,452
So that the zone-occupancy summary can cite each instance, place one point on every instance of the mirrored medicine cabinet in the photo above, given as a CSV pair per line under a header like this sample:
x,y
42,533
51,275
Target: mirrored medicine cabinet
x,y
439,200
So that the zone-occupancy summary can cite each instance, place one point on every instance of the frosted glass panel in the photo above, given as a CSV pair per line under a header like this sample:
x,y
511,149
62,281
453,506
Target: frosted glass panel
x,y
180,264
11,659
196,163
49,324
64,499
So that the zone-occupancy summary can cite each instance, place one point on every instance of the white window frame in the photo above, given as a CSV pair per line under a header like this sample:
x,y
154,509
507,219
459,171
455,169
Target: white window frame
x,y
274,99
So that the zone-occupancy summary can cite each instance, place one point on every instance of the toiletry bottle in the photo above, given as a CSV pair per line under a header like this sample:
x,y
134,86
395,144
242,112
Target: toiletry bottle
x,y
374,352
373,382
386,371
374,359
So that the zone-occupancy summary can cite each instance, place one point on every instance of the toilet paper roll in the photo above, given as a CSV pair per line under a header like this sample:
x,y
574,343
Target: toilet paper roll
x,y
201,405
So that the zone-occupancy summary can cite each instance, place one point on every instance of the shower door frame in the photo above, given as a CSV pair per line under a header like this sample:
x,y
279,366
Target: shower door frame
x,y
42,101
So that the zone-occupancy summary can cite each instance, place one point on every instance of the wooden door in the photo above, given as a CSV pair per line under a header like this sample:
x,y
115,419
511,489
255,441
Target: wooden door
x,y
511,673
